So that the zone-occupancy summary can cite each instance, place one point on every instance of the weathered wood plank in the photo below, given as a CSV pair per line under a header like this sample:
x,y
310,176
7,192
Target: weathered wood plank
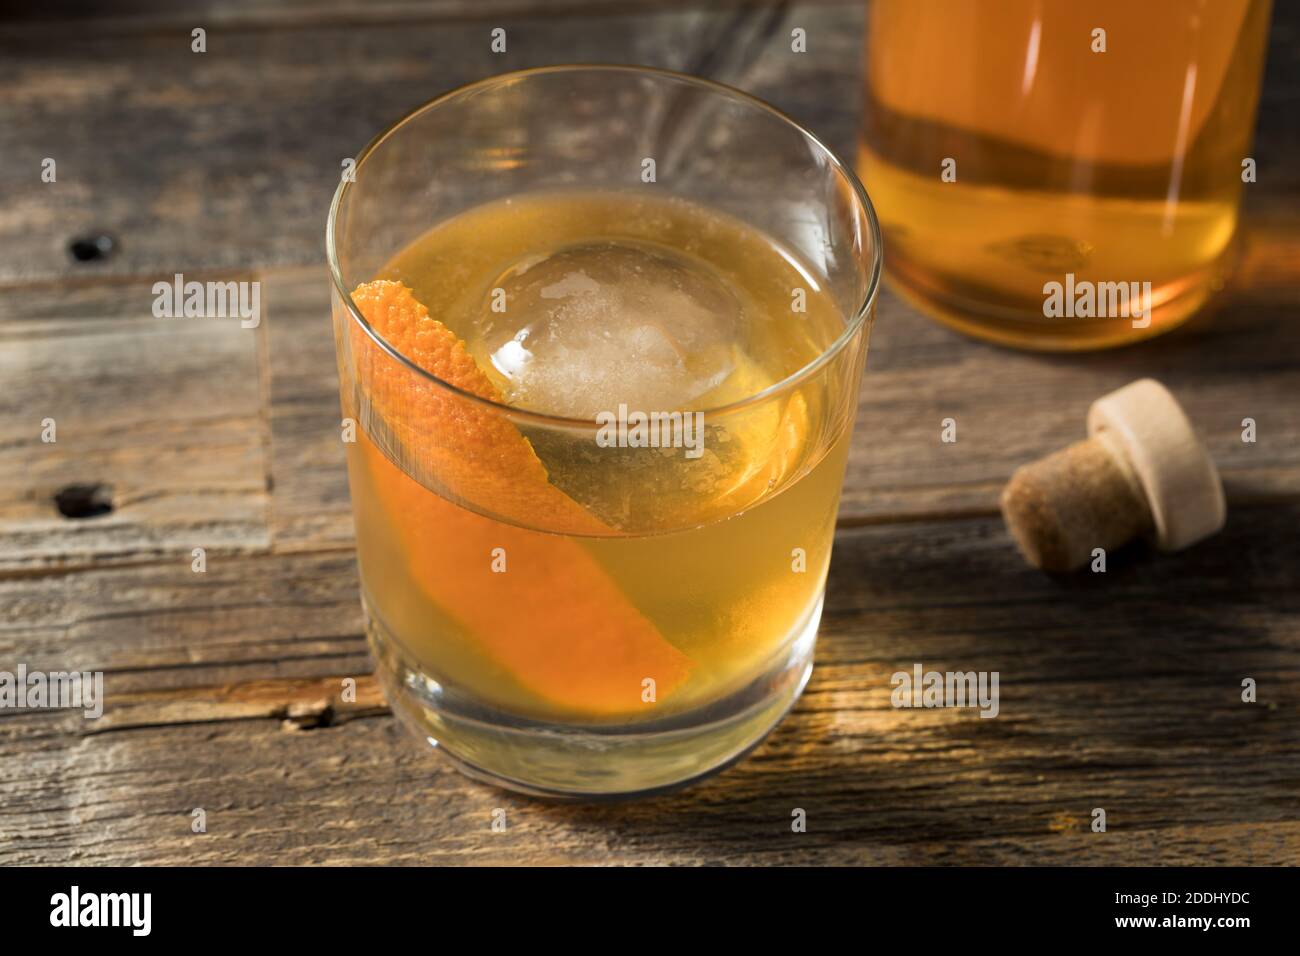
x,y
1153,730
155,15
162,626
365,792
302,703
165,414
1012,407
310,507
245,142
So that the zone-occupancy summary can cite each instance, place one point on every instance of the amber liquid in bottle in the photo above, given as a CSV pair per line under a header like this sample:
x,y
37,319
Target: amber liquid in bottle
x,y
1123,165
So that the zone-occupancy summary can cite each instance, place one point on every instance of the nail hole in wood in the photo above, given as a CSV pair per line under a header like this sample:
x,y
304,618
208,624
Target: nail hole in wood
x,y
91,248
84,501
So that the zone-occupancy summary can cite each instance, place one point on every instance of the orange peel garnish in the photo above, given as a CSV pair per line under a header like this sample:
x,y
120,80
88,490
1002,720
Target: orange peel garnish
x,y
554,620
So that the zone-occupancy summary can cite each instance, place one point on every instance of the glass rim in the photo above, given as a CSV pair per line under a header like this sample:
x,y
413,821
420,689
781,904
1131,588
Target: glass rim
x,y
791,381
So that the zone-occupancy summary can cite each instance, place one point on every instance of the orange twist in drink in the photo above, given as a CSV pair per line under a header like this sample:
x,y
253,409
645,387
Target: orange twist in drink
x,y
562,628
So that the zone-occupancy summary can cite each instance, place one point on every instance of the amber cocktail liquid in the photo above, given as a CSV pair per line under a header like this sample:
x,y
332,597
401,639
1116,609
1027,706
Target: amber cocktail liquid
x,y
597,464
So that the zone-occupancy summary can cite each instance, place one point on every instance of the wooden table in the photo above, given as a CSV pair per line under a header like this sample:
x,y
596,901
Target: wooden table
x,y
1120,691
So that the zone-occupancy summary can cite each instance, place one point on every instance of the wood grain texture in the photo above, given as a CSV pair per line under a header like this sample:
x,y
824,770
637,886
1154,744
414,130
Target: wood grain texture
x,y
1013,407
165,414
225,687
270,124
159,15
1109,699
310,508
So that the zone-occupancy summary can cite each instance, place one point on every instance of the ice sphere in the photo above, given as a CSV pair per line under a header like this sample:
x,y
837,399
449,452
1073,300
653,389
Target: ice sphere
x,y
592,326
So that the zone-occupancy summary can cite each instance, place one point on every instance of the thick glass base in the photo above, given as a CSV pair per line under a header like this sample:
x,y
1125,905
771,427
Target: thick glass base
x,y
592,762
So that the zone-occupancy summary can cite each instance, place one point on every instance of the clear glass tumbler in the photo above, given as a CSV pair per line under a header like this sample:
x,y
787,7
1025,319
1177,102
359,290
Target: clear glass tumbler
x,y
600,332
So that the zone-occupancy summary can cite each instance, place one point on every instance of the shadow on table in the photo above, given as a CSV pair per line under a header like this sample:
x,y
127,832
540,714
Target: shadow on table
x,y
1121,691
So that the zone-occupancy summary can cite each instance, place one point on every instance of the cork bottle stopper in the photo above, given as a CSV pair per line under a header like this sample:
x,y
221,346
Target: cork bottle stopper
x,y
1141,471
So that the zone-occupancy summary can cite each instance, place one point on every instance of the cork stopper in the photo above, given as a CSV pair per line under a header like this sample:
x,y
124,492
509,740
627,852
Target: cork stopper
x,y
1141,471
